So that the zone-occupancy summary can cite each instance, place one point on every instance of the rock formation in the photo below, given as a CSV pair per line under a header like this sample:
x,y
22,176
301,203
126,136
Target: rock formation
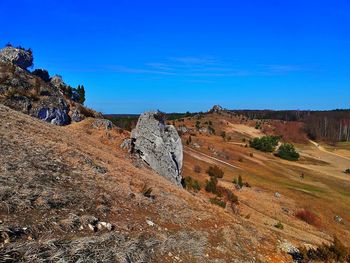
x,y
159,145
17,56
216,109
35,93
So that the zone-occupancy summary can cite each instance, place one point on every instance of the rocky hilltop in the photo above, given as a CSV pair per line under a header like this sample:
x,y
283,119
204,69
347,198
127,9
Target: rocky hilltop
x,y
17,56
49,99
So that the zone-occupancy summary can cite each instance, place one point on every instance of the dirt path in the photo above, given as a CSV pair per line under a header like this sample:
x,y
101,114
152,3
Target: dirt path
x,y
318,146
207,158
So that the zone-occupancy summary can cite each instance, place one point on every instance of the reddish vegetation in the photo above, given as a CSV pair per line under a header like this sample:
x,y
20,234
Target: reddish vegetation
x,y
291,131
309,217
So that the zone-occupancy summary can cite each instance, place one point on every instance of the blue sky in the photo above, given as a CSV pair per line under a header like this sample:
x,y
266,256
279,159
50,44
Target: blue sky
x,y
182,55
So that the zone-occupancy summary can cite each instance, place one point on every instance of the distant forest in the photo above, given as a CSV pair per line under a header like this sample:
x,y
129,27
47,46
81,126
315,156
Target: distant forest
x,y
128,121
331,126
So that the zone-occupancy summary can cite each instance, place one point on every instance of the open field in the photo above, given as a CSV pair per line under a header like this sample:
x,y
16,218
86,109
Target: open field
x,y
316,182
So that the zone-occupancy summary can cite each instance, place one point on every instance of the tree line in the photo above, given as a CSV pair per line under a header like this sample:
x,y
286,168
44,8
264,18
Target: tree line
x,y
331,126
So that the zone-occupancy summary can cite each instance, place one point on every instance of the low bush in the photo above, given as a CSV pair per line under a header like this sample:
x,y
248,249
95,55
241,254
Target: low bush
x,y
215,171
147,191
347,171
218,201
197,169
43,74
287,151
308,217
239,182
279,225
265,143
211,185
191,184
335,252
231,196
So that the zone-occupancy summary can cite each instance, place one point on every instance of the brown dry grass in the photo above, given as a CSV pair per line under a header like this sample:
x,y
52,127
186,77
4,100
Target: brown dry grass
x,y
51,185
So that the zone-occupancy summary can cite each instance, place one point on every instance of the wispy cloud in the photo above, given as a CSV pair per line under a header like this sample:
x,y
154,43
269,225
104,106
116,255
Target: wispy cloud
x,y
201,67
194,60
146,70
276,68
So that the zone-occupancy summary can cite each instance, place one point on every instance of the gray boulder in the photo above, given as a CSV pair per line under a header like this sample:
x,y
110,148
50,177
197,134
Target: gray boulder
x,y
102,123
159,145
216,109
77,116
54,115
57,81
17,56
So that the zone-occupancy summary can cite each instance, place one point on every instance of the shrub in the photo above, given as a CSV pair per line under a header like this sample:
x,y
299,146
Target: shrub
x,y
240,181
215,171
308,217
335,252
287,151
43,74
347,171
211,130
191,184
211,185
198,125
265,143
231,196
279,225
234,181
223,135
147,191
217,201
251,154
197,169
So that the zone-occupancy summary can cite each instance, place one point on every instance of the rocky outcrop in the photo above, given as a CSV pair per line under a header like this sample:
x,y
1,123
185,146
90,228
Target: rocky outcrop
x,y
77,116
159,145
216,109
57,81
17,56
54,115
102,123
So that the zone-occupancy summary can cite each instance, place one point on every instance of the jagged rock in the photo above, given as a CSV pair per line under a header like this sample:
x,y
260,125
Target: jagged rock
x,y
54,115
126,144
57,81
338,219
106,124
159,145
77,116
182,128
17,56
216,109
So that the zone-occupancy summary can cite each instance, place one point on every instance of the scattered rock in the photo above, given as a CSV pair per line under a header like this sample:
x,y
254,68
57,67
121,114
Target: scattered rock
x,y
203,130
159,145
277,195
77,116
17,56
285,210
126,144
102,123
91,227
338,219
196,145
150,223
182,128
